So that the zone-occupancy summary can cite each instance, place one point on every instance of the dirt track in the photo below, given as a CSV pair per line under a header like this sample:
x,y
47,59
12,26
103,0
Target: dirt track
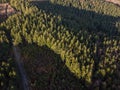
x,y
20,67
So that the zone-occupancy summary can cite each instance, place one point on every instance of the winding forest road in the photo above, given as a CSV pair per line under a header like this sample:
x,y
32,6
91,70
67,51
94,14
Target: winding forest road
x,y
22,72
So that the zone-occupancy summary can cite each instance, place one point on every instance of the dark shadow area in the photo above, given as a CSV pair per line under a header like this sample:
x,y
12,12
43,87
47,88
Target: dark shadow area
x,y
47,71
9,74
76,19
7,67
2,18
4,55
4,46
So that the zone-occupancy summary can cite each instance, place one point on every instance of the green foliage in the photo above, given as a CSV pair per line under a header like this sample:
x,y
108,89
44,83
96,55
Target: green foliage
x,y
3,37
4,1
7,75
89,48
23,6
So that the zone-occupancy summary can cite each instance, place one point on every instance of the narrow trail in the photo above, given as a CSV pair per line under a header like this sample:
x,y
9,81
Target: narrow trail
x,y
4,12
20,67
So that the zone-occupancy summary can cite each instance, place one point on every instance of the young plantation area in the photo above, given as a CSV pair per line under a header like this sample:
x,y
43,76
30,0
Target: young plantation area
x,y
63,45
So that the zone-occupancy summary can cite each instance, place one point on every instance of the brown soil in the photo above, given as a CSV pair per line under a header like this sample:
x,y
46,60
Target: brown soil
x,y
5,11
5,6
114,1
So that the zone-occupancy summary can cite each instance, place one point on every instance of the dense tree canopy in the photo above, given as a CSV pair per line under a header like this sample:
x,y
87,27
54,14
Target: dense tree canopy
x,y
89,44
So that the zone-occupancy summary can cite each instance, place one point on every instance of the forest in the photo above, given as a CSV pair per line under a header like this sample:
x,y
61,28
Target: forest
x,y
64,45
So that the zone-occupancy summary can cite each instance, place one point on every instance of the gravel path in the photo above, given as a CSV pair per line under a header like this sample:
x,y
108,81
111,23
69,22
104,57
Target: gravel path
x,y
20,67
